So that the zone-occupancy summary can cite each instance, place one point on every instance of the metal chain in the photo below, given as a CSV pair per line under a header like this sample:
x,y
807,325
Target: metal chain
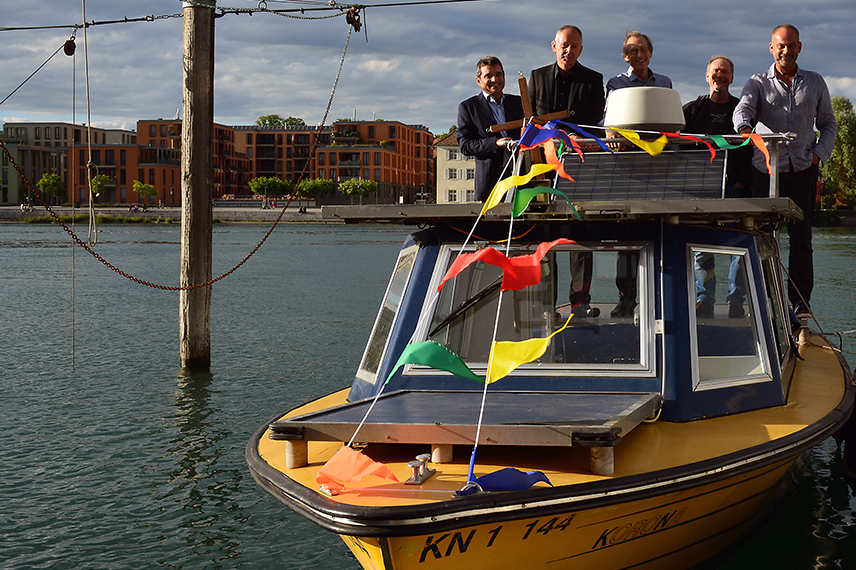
x,y
80,242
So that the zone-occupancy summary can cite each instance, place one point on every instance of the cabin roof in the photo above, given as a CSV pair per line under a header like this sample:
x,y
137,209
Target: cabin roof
x,y
672,211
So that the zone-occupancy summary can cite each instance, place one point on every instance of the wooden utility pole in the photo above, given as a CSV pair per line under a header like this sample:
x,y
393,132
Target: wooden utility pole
x,y
197,170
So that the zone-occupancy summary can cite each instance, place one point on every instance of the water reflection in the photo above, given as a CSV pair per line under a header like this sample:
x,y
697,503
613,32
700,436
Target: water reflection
x,y
201,485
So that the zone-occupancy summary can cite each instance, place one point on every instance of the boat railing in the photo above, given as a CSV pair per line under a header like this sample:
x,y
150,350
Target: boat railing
x,y
684,170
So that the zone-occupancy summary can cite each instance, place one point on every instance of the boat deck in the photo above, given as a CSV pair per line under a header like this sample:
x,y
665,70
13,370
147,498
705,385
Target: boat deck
x,y
817,389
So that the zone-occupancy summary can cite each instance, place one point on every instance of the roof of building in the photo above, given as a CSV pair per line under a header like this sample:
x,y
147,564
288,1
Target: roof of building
x,y
449,140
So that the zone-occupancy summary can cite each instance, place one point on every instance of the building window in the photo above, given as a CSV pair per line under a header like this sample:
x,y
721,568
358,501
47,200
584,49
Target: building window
x,y
452,154
152,176
123,157
321,156
57,132
109,156
392,131
471,173
371,131
320,173
377,174
451,174
377,159
471,195
153,130
366,174
122,176
366,158
453,195
249,138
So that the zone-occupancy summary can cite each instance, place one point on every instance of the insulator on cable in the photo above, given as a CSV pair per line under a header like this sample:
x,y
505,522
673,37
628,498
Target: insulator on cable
x,y
69,47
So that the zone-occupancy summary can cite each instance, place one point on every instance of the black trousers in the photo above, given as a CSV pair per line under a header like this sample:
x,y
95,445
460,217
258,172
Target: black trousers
x,y
801,188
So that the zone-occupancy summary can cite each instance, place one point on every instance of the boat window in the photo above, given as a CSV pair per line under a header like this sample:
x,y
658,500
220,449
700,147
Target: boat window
x,y
775,288
725,344
382,329
603,334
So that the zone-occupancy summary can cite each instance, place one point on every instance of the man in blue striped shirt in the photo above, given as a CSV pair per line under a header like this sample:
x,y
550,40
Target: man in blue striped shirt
x,y
787,98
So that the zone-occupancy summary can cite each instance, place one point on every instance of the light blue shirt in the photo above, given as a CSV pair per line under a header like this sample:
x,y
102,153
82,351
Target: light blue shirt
x,y
772,107
497,109
630,79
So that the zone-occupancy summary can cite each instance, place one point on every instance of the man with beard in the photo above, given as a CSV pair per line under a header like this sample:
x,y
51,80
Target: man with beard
x,y
711,115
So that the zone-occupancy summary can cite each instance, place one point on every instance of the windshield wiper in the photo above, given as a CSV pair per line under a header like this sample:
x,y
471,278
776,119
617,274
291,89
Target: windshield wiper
x,y
467,305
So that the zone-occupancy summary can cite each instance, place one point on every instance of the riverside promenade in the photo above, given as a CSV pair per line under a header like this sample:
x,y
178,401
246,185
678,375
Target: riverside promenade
x,y
221,213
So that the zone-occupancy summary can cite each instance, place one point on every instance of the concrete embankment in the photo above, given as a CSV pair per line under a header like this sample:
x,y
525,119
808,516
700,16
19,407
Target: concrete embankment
x,y
221,214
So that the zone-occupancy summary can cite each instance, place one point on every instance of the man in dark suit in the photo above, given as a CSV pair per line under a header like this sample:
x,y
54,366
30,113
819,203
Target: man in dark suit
x,y
477,114
569,85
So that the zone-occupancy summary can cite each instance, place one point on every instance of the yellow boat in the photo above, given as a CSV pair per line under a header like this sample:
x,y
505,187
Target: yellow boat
x,y
656,436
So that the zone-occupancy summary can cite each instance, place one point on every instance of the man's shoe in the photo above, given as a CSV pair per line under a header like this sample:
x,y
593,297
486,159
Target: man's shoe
x,y
703,310
624,308
585,311
735,311
802,312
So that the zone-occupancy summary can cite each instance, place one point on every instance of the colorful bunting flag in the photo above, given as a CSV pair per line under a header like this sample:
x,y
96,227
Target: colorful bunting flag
x,y
696,139
435,355
653,148
523,196
504,185
348,464
585,134
507,479
505,356
518,272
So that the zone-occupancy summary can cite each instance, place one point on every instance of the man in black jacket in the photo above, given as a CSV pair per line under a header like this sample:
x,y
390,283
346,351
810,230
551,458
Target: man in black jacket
x,y
477,114
569,85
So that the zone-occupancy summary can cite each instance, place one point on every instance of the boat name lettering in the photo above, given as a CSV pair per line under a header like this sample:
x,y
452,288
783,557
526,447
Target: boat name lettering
x,y
636,529
552,524
433,546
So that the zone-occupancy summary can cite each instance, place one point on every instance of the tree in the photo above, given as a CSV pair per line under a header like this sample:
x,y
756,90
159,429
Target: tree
x,y
270,121
314,187
144,189
278,121
452,129
98,183
839,172
51,185
270,185
357,187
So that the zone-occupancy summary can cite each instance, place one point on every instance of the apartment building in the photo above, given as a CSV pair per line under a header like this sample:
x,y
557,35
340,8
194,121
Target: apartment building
x,y
399,157
41,148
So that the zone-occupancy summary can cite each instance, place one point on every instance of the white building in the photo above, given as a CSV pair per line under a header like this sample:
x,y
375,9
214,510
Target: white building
x,y
456,173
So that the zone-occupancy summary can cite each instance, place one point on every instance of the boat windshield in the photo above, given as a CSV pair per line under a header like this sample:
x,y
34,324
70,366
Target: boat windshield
x,y
587,280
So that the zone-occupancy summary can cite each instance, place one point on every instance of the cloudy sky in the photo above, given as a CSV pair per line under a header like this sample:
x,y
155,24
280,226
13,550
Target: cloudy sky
x,y
417,65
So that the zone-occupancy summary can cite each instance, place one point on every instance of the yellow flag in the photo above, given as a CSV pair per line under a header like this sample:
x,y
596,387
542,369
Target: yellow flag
x,y
653,148
505,356
506,184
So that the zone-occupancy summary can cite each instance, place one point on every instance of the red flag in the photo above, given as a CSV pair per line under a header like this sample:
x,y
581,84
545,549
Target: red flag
x,y
348,464
518,272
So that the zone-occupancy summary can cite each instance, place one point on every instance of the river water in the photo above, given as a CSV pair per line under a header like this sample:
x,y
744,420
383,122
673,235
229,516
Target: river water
x,y
112,457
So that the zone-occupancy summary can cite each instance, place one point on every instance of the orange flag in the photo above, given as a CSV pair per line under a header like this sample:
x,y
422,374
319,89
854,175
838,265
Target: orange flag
x,y
348,464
